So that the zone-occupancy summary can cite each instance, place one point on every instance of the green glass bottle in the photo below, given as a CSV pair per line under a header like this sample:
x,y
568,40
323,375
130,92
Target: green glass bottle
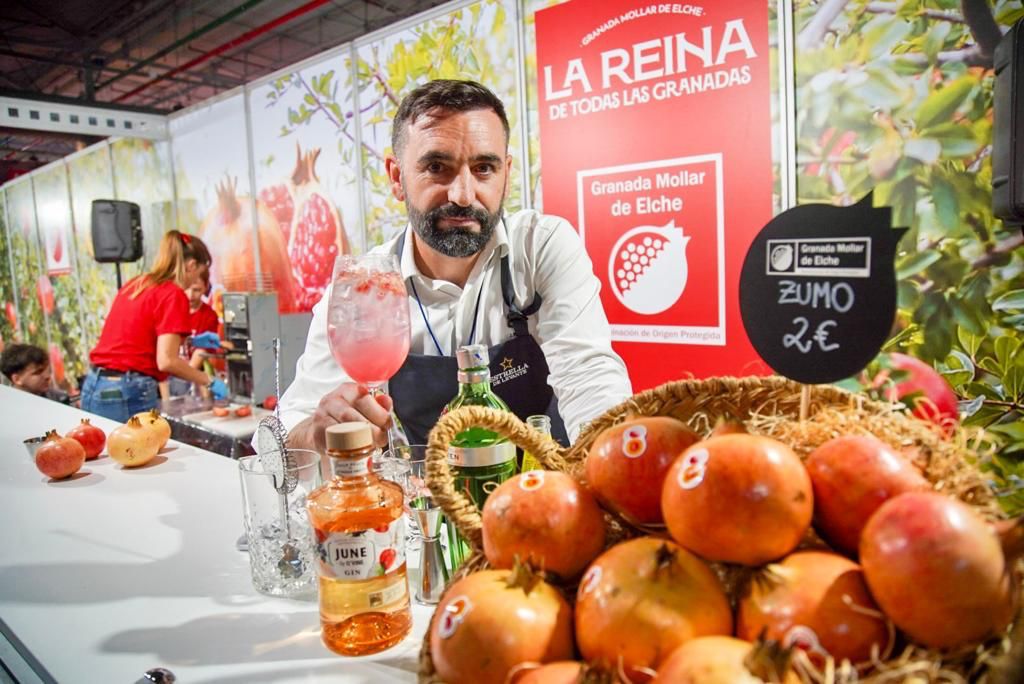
x,y
480,459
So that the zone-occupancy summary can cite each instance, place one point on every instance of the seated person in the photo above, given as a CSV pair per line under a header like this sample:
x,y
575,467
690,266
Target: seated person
x,y
27,367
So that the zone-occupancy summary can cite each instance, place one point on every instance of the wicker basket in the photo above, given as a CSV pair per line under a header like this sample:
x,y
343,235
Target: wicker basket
x,y
770,406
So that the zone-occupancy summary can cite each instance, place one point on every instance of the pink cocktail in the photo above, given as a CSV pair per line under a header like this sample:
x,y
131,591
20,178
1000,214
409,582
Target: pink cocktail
x,y
368,318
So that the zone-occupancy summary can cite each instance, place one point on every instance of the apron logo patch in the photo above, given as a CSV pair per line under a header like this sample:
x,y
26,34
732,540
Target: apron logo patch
x,y
509,371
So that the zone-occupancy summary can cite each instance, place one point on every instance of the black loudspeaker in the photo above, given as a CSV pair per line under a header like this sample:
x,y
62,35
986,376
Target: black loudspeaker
x,y
116,231
1008,130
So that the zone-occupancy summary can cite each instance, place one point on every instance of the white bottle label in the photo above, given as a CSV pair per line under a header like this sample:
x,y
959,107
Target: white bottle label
x,y
355,556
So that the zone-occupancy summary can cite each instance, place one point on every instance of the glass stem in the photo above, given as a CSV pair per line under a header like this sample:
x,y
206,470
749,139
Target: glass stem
x,y
396,436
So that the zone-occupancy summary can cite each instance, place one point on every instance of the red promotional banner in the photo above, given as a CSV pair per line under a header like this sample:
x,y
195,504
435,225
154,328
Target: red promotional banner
x,y
655,133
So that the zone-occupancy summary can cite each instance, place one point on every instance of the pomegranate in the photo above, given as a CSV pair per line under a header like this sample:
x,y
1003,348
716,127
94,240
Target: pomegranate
x,y
626,465
738,498
562,672
726,426
725,660
270,402
544,518
923,389
643,598
852,476
44,290
12,314
59,457
812,600
157,424
133,444
938,570
491,621
90,437
317,234
280,198
227,233
57,363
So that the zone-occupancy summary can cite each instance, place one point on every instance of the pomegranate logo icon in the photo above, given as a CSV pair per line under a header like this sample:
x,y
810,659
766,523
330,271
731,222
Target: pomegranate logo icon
x,y
647,269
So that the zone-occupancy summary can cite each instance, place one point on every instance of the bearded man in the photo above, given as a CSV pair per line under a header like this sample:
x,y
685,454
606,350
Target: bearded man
x,y
521,284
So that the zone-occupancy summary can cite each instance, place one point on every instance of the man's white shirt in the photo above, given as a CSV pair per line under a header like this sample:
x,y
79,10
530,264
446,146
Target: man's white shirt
x,y
545,255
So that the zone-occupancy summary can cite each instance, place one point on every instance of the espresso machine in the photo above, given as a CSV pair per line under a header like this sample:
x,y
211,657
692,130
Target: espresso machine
x,y
251,323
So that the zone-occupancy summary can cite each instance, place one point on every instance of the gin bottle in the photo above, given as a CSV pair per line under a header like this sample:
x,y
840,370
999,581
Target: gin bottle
x,y
480,459
360,531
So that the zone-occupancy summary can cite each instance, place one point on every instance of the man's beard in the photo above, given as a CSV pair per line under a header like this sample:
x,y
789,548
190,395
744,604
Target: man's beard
x,y
454,241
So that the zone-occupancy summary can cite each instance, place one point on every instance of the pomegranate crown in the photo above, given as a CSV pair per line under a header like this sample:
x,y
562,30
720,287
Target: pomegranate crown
x,y
227,198
305,165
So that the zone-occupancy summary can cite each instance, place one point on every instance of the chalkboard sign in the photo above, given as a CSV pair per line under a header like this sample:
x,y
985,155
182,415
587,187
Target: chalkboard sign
x,y
818,289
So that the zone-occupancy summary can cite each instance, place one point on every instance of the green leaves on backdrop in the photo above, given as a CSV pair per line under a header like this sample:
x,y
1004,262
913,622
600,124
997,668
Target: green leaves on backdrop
x,y
898,97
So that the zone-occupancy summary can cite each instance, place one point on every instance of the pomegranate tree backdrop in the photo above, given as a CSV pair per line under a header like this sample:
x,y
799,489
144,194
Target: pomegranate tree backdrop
x,y
655,133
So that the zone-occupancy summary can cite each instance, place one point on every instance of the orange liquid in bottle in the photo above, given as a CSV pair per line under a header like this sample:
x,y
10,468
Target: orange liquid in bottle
x,y
360,532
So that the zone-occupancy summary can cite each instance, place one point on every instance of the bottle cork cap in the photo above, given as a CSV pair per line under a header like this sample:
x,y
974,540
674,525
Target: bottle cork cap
x,y
472,356
349,436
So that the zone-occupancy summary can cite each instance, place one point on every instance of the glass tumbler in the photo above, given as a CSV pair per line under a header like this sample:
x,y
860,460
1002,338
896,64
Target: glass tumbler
x,y
282,551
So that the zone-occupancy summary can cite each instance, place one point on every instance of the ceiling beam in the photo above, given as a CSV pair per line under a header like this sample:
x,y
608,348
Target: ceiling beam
x,y
195,78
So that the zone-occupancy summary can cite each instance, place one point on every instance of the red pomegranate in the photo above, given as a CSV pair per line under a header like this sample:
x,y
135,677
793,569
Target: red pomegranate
x,y
59,457
811,600
57,363
544,518
44,289
12,314
311,225
922,388
643,598
491,621
738,498
280,198
938,570
725,660
227,233
92,438
852,476
627,463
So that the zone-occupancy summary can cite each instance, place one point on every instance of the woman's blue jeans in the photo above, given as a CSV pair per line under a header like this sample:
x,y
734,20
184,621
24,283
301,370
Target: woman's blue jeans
x,y
119,397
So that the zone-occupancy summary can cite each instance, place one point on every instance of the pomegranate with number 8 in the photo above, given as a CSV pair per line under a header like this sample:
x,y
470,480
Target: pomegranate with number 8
x,y
739,499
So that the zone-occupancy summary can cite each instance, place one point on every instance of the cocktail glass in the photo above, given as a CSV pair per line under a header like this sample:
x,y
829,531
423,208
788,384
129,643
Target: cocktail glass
x,y
368,319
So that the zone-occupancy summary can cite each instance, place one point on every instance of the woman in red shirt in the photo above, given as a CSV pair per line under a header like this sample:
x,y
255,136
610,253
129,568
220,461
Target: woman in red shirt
x,y
140,342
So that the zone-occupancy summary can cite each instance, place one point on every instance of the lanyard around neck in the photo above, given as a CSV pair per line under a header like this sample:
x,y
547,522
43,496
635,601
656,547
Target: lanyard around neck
x,y
423,313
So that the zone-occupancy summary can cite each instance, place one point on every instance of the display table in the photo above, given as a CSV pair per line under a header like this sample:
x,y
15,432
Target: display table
x,y
176,409
115,571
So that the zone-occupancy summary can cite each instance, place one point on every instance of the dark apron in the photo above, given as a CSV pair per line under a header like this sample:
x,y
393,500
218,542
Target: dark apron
x,y
424,384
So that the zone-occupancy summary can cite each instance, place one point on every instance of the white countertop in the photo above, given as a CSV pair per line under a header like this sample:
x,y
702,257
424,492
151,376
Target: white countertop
x,y
116,571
